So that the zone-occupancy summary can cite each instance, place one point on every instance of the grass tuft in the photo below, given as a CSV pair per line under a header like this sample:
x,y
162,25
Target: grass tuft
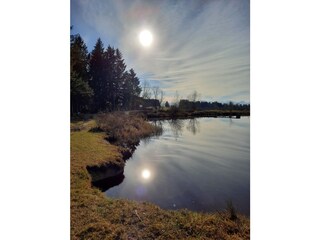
x,y
231,210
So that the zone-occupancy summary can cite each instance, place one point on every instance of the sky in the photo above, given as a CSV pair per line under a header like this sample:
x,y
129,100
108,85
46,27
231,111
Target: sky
x,y
201,45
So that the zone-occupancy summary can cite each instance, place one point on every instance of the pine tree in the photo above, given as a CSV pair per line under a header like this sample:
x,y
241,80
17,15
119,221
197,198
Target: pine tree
x,y
120,68
107,87
98,76
131,88
81,93
79,57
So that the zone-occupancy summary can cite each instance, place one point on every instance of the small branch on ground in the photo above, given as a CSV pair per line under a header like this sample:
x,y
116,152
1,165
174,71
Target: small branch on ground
x,y
136,212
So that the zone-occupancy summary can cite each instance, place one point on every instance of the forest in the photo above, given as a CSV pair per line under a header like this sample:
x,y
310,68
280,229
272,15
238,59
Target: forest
x,y
99,80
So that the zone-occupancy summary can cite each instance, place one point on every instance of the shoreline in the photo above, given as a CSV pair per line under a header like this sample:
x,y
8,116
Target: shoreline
x,y
166,114
193,114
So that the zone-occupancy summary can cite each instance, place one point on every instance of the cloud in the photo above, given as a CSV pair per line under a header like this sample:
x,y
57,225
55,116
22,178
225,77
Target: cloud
x,y
198,45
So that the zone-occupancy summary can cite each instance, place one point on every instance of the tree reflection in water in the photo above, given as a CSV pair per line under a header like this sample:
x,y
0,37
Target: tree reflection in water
x,y
193,126
176,126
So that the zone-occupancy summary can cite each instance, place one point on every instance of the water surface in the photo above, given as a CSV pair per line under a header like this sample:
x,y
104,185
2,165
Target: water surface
x,y
197,164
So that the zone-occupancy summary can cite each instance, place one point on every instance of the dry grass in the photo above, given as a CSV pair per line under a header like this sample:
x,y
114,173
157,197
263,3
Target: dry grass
x,y
124,129
94,216
82,125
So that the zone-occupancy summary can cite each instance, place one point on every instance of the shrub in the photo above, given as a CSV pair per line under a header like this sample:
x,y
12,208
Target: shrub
x,y
125,130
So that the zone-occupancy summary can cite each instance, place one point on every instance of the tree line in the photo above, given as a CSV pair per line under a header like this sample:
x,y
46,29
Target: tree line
x,y
187,105
99,79
99,82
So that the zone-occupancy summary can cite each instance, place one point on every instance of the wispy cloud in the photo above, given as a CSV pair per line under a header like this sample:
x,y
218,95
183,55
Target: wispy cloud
x,y
198,45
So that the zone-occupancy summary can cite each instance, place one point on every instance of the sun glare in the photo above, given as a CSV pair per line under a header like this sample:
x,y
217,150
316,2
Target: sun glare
x,y
145,38
145,173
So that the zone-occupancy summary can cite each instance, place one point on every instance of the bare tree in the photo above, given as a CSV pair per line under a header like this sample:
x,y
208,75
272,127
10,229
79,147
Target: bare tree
x,y
156,91
146,91
194,96
158,94
161,97
176,99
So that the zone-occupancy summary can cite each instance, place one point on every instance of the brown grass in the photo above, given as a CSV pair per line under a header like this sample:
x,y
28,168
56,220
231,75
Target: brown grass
x,y
124,129
82,125
94,216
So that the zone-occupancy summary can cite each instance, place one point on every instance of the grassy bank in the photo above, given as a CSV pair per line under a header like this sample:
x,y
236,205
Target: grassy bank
x,y
94,216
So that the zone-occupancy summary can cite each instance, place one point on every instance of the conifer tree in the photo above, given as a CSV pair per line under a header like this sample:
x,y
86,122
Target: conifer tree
x,y
81,93
120,68
97,72
131,88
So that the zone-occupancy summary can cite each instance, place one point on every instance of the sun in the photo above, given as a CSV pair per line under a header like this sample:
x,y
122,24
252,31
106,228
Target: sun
x,y
145,174
145,38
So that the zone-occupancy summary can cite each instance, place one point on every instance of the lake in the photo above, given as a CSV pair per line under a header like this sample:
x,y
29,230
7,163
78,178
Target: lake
x,y
198,164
